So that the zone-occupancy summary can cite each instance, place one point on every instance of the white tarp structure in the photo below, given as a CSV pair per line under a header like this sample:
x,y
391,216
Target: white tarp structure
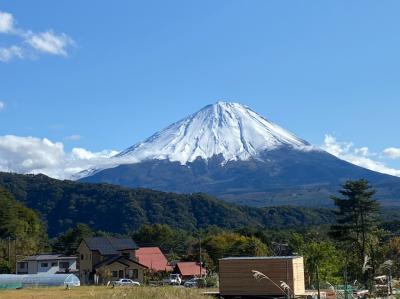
x,y
38,280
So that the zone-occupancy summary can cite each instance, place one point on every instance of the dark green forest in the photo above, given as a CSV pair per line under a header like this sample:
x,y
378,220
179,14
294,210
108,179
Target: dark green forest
x,y
111,208
41,214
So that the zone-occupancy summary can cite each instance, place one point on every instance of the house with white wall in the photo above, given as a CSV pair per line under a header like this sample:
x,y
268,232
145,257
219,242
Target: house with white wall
x,y
47,263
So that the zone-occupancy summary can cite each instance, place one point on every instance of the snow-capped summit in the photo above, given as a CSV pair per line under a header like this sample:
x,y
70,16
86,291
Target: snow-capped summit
x,y
267,164
229,129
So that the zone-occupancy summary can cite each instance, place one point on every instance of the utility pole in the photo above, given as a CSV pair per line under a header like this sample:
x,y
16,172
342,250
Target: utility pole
x,y
345,282
15,255
318,284
200,256
9,251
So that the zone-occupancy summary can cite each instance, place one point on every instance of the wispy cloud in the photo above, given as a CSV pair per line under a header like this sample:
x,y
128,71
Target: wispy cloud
x,y
6,22
57,126
74,137
358,156
7,54
2,105
51,43
392,152
31,43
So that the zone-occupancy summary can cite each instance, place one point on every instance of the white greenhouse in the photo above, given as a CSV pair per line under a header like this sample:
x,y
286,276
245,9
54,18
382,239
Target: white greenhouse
x,y
14,281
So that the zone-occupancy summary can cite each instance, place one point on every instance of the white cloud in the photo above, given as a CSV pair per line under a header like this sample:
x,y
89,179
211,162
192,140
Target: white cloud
x,y
358,156
333,147
83,154
29,154
6,22
392,152
2,105
7,54
51,43
31,43
363,151
35,155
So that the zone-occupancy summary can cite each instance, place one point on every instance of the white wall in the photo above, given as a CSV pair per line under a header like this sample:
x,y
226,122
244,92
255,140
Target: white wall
x,y
52,266
50,269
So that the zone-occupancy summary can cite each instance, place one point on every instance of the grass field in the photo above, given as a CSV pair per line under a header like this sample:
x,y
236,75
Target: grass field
x,y
100,292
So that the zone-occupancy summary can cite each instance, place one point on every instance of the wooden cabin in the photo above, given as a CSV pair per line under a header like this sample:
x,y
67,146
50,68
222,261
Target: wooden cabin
x,y
237,279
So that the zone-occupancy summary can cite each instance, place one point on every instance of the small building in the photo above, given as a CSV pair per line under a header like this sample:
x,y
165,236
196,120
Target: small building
x,y
153,258
47,264
236,276
108,258
188,270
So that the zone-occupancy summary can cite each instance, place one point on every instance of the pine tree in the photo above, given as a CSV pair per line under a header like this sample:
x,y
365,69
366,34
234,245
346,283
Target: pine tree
x,y
357,218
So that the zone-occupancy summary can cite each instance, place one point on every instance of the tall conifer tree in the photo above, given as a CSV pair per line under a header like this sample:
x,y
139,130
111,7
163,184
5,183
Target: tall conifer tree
x,y
356,219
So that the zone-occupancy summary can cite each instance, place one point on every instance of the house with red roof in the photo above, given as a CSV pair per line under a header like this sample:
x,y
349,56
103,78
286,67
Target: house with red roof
x,y
189,270
153,258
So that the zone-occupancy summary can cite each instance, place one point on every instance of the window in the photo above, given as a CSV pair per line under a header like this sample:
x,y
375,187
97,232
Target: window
x,y
54,264
135,274
114,273
121,273
44,265
82,257
64,265
22,265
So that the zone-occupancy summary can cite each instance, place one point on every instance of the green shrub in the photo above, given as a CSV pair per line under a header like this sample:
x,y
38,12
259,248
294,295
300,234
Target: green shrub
x,y
211,281
4,268
201,283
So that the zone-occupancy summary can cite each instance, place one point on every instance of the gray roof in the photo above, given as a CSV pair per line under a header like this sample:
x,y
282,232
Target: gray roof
x,y
110,245
48,257
290,257
118,258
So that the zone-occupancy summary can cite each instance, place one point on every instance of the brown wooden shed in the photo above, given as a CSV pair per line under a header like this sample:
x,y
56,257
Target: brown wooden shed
x,y
236,276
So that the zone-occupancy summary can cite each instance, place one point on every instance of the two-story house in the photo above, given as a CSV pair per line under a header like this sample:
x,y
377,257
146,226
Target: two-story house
x,y
47,263
108,258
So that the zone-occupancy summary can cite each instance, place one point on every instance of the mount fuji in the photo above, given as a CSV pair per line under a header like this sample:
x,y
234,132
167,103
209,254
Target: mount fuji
x,y
231,130
230,151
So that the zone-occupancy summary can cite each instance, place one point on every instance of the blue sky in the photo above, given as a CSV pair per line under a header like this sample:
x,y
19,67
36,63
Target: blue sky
x,y
101,75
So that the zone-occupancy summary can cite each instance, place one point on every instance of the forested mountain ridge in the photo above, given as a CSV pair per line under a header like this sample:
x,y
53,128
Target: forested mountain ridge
x,y
117,209
21,230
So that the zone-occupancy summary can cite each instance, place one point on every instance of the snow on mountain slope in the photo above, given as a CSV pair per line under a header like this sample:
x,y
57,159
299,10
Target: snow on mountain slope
x,y
229,129
268,165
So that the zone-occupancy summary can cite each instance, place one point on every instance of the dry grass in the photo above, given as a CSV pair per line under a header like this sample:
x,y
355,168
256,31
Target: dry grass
x,y
100,292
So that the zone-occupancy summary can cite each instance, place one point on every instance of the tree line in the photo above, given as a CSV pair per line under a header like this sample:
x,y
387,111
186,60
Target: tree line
x,y
356,246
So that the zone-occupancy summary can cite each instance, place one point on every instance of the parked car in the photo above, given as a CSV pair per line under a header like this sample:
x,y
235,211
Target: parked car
x,y
125,282
192,283
173,279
